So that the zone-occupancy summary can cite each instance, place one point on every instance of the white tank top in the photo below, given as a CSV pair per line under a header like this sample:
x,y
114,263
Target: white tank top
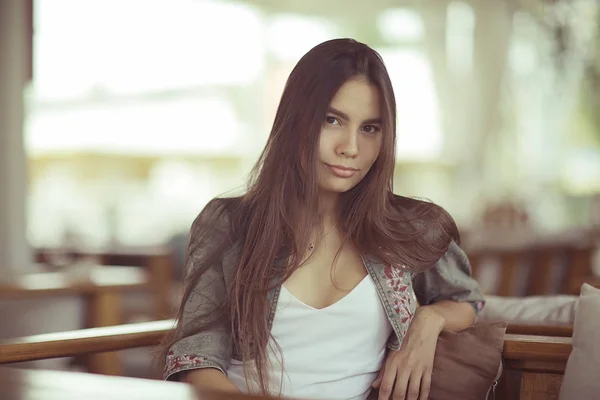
x,y
330,353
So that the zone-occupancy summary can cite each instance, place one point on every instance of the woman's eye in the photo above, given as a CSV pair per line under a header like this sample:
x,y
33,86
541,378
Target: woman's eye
x,y
371,129
332,120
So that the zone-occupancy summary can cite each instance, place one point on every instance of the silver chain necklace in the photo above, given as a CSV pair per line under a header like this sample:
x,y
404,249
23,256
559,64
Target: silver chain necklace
x,y
311,245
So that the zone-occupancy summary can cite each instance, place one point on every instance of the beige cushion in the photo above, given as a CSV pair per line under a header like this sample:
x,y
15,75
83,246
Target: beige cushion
x,y
559,309
582,376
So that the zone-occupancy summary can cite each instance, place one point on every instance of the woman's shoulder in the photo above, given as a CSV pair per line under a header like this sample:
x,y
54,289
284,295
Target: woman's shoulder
x,y
428,220
216,216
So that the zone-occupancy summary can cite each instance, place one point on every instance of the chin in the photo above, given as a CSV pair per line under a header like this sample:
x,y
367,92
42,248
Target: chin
x,y
338,187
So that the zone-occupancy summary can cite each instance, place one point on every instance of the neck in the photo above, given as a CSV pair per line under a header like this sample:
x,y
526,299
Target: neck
x,y
328,204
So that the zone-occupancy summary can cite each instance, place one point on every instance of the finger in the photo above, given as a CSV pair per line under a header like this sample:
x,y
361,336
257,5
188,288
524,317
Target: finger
x,y
425,385
414,385
377,380
401,384
387,382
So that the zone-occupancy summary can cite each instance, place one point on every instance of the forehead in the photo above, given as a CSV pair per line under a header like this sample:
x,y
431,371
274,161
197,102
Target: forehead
x,y
359,99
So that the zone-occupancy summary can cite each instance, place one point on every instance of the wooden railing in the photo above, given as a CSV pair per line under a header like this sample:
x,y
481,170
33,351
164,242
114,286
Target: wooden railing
x,y
533,364
114,338
83,341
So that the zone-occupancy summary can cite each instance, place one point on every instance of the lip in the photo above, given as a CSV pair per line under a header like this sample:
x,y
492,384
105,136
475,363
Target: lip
x,y
342,171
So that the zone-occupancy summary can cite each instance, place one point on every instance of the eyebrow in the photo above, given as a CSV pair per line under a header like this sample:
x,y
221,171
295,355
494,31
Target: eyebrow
x,y
345,116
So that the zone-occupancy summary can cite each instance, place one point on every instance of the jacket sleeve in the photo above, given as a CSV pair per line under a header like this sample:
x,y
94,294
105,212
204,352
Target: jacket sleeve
x,y
449,279
210,348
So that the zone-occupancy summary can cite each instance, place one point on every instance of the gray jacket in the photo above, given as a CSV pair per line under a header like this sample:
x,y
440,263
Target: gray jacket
x,y
449,279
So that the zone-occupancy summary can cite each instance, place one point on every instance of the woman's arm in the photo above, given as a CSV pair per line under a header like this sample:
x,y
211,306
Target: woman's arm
x,y
202,340
210,379
450,300
449,289
454,316
406,373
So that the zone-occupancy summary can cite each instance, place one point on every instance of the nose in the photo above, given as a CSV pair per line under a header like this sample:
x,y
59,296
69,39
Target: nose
x,y
348,144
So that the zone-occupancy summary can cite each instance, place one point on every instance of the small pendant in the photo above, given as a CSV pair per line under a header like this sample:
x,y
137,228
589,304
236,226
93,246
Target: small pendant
x,y
311,247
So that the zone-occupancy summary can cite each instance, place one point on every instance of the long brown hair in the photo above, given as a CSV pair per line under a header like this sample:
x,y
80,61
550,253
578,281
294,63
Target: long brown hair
x,y
272,223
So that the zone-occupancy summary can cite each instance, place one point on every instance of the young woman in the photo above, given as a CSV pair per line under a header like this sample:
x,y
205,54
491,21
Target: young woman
x,y
307,285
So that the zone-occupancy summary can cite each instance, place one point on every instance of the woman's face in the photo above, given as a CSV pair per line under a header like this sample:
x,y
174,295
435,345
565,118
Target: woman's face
x,y
351,137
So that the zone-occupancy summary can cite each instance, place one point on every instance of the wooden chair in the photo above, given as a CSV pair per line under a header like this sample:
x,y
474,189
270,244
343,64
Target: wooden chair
x,y
533,364
157,260
530,266
102,290
505,216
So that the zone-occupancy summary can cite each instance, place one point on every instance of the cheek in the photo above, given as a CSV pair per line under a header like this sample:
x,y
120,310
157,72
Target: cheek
x,y
371,152
324,143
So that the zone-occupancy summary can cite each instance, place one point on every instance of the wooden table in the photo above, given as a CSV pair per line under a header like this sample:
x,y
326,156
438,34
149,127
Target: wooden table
x,y
59,385
54,385
101,287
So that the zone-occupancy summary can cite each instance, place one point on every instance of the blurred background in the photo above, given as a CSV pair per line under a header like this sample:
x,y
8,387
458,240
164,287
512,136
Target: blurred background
x,y
120,120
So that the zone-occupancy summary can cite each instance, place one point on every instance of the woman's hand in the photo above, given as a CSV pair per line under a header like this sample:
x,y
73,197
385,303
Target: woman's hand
x,y
406,373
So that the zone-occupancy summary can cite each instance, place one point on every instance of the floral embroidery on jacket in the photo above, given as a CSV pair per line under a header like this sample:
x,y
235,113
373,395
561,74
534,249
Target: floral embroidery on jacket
x,y
184,361
403,304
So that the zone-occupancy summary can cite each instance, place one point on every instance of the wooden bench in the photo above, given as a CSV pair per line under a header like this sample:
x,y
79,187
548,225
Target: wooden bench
x,y
533,364
540,330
